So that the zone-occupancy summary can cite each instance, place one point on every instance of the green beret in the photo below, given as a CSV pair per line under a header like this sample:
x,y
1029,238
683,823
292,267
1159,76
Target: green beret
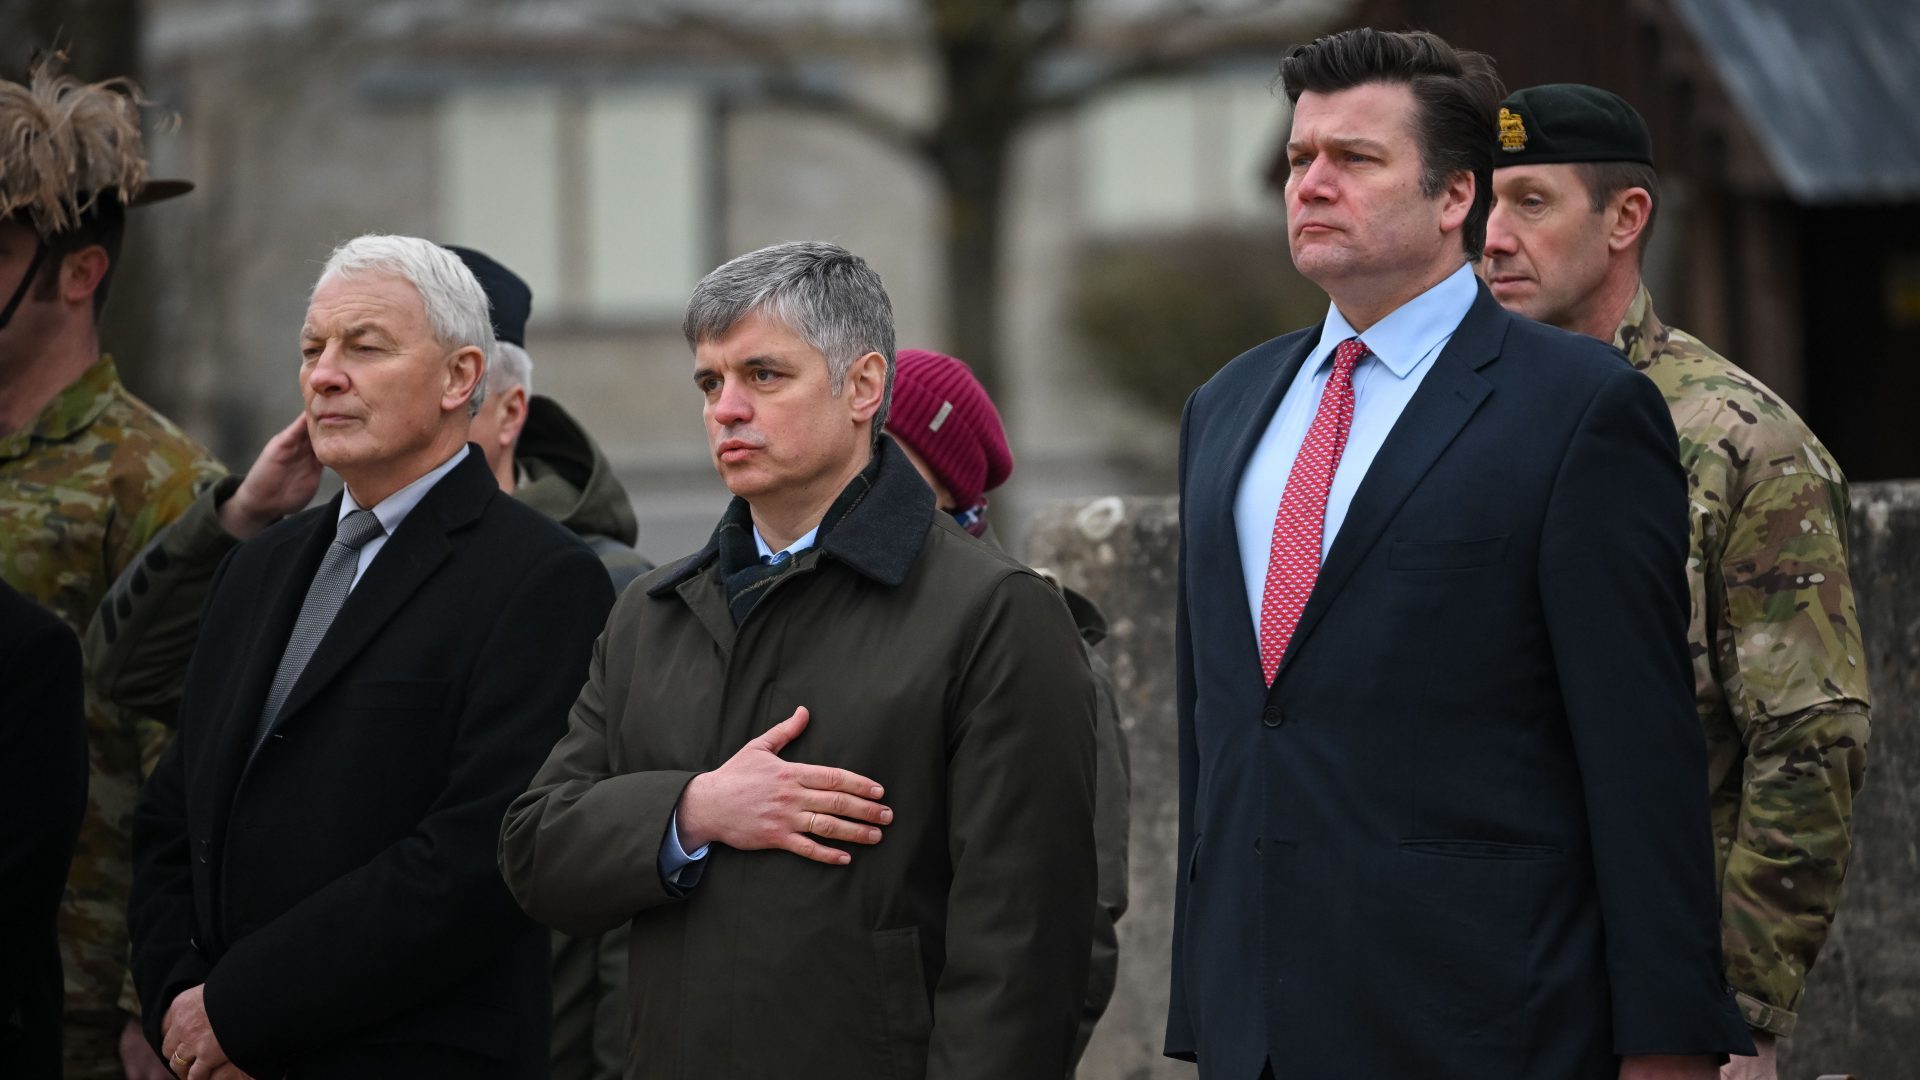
x,y
1565,122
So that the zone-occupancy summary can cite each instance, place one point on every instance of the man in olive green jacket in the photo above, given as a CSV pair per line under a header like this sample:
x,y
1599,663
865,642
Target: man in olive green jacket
x,y
895,880
950,430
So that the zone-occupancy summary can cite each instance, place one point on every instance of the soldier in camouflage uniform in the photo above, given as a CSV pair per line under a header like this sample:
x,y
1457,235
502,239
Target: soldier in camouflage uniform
x,y
88,473
1780,676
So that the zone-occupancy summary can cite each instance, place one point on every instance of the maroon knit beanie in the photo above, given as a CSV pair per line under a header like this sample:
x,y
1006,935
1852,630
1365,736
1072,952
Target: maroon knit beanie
x,y
942,412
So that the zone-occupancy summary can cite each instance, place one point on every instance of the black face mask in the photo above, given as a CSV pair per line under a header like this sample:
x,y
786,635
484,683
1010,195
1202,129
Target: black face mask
x,y
26,282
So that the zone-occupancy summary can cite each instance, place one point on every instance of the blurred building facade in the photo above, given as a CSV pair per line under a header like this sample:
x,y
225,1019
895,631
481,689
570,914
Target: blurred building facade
x,y
612,153
612,159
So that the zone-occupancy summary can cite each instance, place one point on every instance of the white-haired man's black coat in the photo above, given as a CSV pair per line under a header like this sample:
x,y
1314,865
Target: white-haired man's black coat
x,y
337,892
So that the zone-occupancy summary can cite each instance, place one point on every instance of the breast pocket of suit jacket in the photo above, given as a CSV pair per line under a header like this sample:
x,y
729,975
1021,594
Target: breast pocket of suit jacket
x,y
1429,556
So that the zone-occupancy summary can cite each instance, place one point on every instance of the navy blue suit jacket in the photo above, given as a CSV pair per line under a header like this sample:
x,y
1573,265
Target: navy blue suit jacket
x,y
1465,832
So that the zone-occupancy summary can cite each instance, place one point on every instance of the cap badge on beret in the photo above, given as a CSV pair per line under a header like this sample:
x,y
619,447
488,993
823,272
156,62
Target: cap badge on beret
x,y
1513,131
946,410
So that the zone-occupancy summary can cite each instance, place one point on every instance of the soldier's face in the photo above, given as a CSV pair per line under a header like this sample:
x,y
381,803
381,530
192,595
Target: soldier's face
x,y
380,389
1356,214
775,426
1546,253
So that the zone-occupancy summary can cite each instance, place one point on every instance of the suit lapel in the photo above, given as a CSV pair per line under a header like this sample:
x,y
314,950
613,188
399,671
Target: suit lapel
x,y
1447,398
401,566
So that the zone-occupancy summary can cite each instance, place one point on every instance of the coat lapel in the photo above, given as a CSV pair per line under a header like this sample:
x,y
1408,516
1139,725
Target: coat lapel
x,y
295,557
1447,398
402,565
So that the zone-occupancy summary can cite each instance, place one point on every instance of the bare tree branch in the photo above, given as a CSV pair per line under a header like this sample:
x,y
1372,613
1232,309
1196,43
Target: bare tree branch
x,y
1172,45
877,125
783,82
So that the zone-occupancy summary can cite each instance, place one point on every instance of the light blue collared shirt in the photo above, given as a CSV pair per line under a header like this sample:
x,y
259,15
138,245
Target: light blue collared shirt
x,y
790,550
677,867
394,509
1404,346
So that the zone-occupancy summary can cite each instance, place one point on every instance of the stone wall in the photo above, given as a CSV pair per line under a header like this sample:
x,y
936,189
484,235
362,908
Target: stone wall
x,y
1121,553
1861,1012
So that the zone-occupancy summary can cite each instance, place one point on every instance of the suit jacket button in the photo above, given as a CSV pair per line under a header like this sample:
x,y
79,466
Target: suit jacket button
x,y
1272,716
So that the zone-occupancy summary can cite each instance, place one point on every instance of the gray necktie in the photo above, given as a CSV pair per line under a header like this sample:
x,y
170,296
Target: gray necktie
x,y
331,583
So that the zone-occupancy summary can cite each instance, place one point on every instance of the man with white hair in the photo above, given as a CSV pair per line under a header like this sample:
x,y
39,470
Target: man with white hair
x,y
375,679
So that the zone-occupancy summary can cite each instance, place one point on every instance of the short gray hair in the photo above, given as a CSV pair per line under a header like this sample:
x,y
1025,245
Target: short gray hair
x,y
822,292
456,304
511,367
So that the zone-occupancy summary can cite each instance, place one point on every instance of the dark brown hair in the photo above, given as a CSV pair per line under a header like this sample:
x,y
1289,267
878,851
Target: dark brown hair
x,y
1605,179
1456,97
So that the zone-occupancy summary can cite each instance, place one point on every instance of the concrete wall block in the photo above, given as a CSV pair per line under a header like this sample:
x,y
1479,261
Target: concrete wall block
x,y
1122,552
1861,1009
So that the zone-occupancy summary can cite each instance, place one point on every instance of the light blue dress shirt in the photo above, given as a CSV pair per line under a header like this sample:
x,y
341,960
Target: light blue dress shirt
x,y
1404,346
394,509
678,867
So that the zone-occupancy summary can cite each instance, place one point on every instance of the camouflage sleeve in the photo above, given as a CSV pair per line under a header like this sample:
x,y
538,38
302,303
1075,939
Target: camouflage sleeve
x,y
139,641
1795,674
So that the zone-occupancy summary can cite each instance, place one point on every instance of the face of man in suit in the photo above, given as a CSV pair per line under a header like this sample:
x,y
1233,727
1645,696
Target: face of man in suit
x,y
783,437
386,401
1359,223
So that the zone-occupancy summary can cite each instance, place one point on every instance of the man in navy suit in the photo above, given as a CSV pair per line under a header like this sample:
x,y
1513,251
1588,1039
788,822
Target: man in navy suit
x,y
1440,808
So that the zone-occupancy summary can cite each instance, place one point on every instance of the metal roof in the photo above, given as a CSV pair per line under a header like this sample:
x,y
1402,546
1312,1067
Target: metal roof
x,y
1831,90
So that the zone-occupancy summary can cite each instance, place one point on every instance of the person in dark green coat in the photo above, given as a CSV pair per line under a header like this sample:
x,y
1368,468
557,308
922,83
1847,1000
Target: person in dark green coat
x,y
836,769
948,425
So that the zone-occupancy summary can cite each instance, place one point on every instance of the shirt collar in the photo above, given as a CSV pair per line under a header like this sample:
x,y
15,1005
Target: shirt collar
x,y
794,548
73,411
394,509
1411,331
1640,334
877,527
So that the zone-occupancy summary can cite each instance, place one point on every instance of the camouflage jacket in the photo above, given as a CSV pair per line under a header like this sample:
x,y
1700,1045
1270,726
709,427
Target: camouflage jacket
x,y
1780,678
83,488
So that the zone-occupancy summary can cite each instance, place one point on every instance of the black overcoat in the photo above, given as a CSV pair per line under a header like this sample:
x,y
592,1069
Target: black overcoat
x,y
43,743
336,891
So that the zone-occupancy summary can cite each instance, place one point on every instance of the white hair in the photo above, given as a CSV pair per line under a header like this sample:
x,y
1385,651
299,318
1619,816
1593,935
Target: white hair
x,y
511,367
456,305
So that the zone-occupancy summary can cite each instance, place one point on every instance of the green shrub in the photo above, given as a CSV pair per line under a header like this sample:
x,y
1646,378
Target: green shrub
x,y
1160,315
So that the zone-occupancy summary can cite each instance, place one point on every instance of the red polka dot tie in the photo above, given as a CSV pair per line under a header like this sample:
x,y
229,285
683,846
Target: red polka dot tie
x,y
1293,561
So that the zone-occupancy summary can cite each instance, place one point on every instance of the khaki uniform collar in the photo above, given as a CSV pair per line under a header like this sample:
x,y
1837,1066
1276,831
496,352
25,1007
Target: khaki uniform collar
x,y
1641,334
73,411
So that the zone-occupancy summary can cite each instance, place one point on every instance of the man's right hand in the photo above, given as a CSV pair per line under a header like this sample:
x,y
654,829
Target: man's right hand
x,y
757,801
281,482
